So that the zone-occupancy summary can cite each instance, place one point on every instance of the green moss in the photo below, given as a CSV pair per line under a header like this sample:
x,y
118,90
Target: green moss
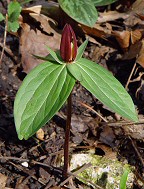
x,y
103,172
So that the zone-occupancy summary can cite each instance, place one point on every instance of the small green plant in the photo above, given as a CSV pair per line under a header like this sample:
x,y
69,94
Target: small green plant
x,y
46,88
123,179
12,16
83,11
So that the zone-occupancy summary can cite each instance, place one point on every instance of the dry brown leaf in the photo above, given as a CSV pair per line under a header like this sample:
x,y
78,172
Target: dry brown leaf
x,y
136,35
34,9
135,131
123,38
141,16
95,31
3,179
138,6
110,16
37,32
140,58
44,175
107,136
133,18
21,183
133,51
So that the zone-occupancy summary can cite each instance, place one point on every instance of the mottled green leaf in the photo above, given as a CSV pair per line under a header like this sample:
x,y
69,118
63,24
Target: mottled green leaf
x,y
104,86
41,95
80,10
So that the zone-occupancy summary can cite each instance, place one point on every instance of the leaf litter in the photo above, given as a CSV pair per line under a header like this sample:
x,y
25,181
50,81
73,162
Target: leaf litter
x,y
116,42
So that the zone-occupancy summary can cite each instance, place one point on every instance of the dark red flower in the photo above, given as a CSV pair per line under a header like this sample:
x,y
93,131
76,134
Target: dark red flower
x,y
68,46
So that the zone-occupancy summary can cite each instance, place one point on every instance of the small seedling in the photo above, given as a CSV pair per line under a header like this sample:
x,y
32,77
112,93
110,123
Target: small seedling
x,y
124,178
12,16
46,88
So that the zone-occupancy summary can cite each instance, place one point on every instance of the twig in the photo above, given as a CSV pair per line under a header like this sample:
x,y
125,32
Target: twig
x,y
139,176
136,149
76,173
88,181
128,81
8,51
5,34
14,158
89,107
122,123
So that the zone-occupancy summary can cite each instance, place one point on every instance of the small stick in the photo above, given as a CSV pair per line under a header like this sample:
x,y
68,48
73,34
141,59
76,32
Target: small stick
x,y
89,107
5,34
128,81
76,173
8,51
91,183
136,149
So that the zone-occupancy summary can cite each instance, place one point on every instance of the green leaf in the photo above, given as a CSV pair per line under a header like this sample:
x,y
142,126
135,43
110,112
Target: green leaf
x,y
1,17
123,179
42,93
74,70
80,10
98,3
14,10
49,57
13,26
104,86
55,56
81,49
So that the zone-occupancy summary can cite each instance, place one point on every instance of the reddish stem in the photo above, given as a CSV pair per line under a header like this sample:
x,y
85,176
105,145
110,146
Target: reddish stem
x,y
67,137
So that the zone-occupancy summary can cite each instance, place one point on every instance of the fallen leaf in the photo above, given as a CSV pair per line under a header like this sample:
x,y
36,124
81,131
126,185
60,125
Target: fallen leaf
x,y
107,136
136,35
44,175
38,31
123,38
110,16
140,58
3,179
138,7
135,131
133,51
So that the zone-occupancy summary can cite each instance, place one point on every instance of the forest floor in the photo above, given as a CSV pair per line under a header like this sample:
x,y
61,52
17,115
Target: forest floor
x,y
116,43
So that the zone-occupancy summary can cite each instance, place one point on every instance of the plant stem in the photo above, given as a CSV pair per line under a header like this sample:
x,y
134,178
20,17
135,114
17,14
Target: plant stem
x,y
67,137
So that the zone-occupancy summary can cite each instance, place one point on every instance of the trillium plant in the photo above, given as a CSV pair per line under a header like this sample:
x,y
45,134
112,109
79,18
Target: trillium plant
x,y
47,87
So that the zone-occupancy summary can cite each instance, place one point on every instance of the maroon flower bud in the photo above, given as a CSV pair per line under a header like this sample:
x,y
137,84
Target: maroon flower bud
x,y
68,46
